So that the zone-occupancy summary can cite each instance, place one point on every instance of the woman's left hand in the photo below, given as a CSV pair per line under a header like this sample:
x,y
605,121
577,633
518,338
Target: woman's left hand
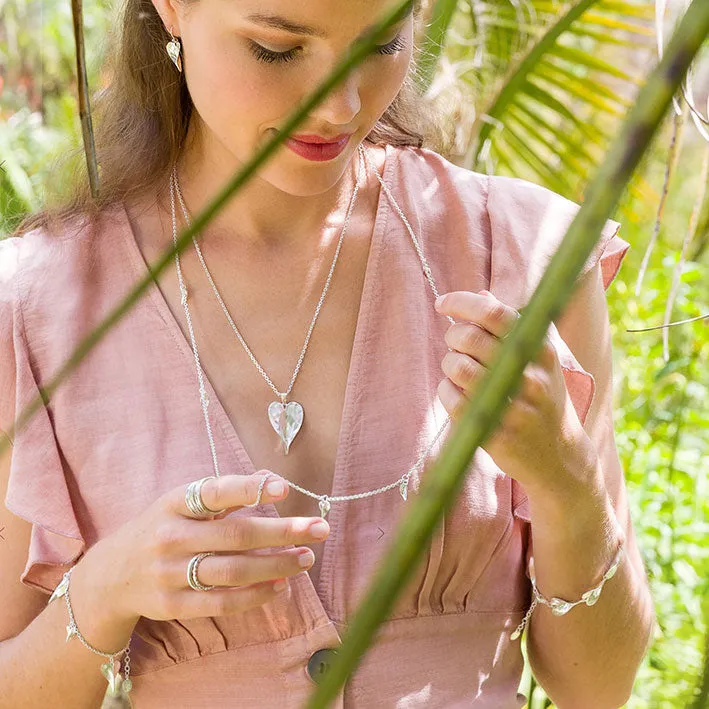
x,y
540,441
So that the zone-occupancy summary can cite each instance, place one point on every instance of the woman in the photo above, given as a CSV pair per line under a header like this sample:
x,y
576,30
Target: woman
x,y
103,481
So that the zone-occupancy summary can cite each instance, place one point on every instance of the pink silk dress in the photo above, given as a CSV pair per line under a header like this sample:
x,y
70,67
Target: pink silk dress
x,y
127,426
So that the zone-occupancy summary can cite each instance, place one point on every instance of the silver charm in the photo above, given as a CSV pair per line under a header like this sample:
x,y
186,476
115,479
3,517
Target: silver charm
x,y
559,606
591,596
119,701
114,678
404,488
71,631
173,50
324,504
286,420
611,572
60,590
116,696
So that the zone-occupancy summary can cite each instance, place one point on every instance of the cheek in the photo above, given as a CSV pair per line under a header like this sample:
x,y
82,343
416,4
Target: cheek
x,y
383,84
230,91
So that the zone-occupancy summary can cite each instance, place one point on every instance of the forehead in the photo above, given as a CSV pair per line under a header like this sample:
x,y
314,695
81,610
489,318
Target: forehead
x,y
315,18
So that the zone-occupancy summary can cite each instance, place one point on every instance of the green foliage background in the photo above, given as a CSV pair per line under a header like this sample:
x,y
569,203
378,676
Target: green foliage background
x,y
662,419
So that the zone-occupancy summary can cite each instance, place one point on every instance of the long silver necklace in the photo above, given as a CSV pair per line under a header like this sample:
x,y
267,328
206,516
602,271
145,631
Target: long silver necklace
x,y
286,417
324,501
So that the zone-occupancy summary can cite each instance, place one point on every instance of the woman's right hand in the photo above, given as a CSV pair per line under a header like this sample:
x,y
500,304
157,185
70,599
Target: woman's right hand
x,y
148,556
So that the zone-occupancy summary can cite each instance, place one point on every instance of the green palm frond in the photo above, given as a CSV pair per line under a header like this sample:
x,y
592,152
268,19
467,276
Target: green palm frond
x,y
549,102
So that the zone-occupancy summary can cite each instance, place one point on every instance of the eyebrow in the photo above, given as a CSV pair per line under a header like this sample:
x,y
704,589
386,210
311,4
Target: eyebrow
x,y
283,23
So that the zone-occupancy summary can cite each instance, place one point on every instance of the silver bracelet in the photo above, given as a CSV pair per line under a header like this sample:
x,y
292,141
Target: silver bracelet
x,y
117,685
559,606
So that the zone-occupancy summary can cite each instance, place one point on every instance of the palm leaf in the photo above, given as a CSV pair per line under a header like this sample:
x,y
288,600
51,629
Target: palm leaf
x,y
557,96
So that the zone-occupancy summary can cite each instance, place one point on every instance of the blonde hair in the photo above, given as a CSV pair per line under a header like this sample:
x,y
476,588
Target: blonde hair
x,y
141,120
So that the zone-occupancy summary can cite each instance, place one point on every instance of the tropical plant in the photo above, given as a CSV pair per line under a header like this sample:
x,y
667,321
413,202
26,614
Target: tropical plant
x,y
551,109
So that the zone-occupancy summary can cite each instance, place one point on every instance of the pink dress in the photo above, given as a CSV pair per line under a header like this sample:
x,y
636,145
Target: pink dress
x,y
127,425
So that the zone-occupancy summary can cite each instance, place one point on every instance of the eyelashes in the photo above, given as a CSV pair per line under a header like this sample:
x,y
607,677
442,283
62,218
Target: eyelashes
x,y
270,57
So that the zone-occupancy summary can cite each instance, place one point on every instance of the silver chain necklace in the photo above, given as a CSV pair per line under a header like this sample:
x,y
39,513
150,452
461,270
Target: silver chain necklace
x,y
324,501
286,417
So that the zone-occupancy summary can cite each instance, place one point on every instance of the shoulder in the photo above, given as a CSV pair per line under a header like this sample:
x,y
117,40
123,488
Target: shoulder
x,y
447,202
52,268
517,225
428,168
530,221
513,199
510,200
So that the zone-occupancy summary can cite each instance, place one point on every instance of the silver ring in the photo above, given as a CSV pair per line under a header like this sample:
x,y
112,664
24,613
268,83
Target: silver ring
x,y
192,567
194,502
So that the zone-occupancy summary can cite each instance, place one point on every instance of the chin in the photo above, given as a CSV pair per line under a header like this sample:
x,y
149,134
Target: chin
x,y
303,178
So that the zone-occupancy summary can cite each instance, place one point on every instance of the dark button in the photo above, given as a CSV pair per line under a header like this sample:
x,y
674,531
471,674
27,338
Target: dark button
x,y
320,662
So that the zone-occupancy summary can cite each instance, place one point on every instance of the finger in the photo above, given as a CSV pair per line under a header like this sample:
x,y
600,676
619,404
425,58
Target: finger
x,y
547,356
462,369
234,533
230,491
474,341
485,310
189,603
452,398
232,570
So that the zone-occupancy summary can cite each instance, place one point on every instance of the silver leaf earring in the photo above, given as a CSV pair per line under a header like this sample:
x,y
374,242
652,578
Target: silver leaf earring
x,y
173,49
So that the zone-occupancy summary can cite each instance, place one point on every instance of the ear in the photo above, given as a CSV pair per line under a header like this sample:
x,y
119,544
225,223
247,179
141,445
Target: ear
x,y
167,9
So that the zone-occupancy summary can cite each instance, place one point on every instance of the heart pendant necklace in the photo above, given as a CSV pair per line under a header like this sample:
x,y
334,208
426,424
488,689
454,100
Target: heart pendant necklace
x,y
286,417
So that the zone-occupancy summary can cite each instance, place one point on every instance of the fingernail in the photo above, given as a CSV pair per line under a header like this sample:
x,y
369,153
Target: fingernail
x,y
306,559
440,300
319,529
275,488
281,585
484,292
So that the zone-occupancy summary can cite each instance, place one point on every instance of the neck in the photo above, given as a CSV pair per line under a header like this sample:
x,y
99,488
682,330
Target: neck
x,y
263,216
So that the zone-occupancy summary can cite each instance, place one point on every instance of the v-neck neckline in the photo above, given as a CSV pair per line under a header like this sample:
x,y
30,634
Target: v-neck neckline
x,y
219,412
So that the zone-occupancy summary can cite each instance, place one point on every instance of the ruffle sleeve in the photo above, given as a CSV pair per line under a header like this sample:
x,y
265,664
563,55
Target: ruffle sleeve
x,y
37,487
528,223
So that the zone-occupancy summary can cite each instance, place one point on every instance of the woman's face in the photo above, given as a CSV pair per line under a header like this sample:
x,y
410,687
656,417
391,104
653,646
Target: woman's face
x,y
246,76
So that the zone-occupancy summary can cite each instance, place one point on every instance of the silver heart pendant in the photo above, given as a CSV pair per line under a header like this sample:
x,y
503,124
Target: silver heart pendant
x,y
286,420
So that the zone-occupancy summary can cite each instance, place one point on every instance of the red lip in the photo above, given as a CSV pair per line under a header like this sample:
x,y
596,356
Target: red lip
x,y
317,139
318,152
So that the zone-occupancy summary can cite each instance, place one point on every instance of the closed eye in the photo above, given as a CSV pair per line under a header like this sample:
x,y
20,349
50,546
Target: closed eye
x,y
268,56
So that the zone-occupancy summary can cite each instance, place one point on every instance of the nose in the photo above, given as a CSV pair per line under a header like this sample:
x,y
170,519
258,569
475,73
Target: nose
x,y
342,104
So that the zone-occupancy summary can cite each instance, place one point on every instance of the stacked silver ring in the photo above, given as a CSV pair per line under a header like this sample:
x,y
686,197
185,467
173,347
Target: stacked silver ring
x,y
192,579
194,502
